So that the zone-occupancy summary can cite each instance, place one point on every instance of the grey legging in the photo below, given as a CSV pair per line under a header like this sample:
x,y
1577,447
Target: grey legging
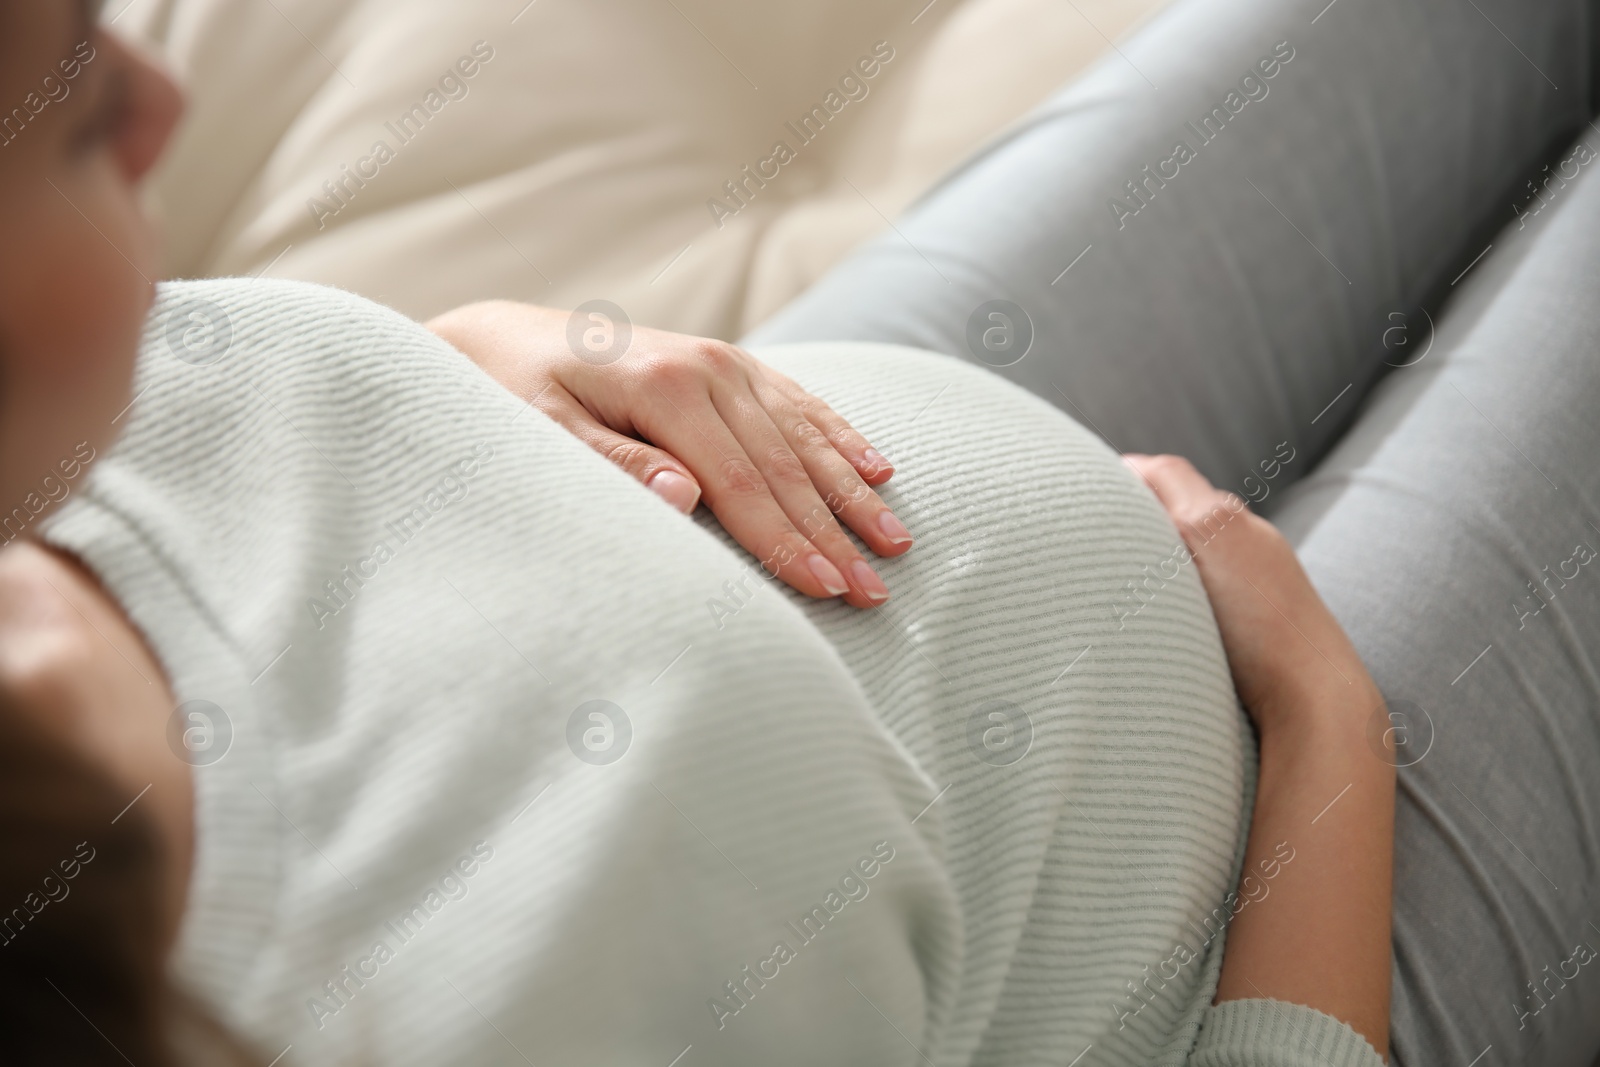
x,y
1241,301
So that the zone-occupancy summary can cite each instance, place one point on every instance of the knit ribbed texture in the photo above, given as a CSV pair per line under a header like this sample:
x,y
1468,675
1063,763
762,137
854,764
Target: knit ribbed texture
x,y
974,826
1270,1033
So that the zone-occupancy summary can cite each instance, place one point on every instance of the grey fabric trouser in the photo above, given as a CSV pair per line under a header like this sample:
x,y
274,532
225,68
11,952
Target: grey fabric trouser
x,y
1240,300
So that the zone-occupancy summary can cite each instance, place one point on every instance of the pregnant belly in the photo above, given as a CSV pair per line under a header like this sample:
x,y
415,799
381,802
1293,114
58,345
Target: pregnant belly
x,y
1050,663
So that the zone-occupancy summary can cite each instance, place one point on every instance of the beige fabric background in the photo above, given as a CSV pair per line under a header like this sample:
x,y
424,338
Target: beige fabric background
x,y
579,162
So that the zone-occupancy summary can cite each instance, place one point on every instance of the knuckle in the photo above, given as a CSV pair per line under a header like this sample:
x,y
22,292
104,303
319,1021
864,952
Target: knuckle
x,y
671,376
1210,518
806,435
629,455
739,478
837,547
838,432
849,492
844,438
813,407
787,384
782,465
718,357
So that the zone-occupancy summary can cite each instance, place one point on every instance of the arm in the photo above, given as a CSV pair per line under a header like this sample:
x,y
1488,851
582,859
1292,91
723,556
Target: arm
x,y
73,664
1322,936
1314,930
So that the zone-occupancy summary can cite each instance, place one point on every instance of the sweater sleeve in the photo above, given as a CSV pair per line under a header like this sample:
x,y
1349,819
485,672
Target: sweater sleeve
x,y
1275,1033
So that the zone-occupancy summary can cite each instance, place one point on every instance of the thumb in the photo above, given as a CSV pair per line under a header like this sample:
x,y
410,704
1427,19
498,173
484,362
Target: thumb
x,y
673,484
656,470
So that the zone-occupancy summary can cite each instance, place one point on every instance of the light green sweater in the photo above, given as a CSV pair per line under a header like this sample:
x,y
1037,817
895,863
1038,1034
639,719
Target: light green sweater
x,y
997,821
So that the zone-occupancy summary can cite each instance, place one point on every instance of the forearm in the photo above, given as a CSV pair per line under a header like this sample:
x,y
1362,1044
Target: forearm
x,y
1317,931
500,336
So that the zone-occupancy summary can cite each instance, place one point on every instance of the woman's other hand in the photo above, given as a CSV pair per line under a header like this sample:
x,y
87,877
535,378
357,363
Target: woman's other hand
x,y
1322,938
692,419
1285,648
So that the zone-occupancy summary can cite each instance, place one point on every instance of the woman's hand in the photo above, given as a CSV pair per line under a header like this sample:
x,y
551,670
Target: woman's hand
x,y
693,419
1284,646
1311,920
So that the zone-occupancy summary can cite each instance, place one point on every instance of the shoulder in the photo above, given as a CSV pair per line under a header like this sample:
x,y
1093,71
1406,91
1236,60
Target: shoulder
x,y
66,648
78,675
217,348
205,321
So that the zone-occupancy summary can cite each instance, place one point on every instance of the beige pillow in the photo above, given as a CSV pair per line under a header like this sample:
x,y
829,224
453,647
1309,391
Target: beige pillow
x,y
429,154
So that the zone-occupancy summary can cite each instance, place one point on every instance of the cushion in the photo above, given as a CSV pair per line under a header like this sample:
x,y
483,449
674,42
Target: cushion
x,y
427,155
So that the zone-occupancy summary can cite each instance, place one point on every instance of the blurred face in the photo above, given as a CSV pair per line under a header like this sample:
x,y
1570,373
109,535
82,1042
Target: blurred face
x,y
82,120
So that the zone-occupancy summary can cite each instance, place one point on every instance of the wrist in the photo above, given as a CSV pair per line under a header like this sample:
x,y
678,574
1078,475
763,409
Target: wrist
x,y
1338,713
1330,757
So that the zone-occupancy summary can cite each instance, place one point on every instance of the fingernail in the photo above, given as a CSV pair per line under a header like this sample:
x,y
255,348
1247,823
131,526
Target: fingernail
x,y
675,489
876,463
893,528
869,583
828,575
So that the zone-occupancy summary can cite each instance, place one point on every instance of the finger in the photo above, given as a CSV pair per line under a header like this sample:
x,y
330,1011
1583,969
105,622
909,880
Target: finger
x,y
733,488
791,485
844,492
655,469
1174,480
1198,509
873,467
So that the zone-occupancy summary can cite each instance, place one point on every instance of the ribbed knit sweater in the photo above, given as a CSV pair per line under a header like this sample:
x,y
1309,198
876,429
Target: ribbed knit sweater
x,y
502,760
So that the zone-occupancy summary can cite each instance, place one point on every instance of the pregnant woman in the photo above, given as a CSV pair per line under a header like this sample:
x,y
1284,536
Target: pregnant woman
x,y
481,753
399,726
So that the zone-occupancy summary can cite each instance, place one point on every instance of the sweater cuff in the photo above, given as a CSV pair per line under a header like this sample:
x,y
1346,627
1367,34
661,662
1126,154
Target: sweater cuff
x,y
1275,1033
